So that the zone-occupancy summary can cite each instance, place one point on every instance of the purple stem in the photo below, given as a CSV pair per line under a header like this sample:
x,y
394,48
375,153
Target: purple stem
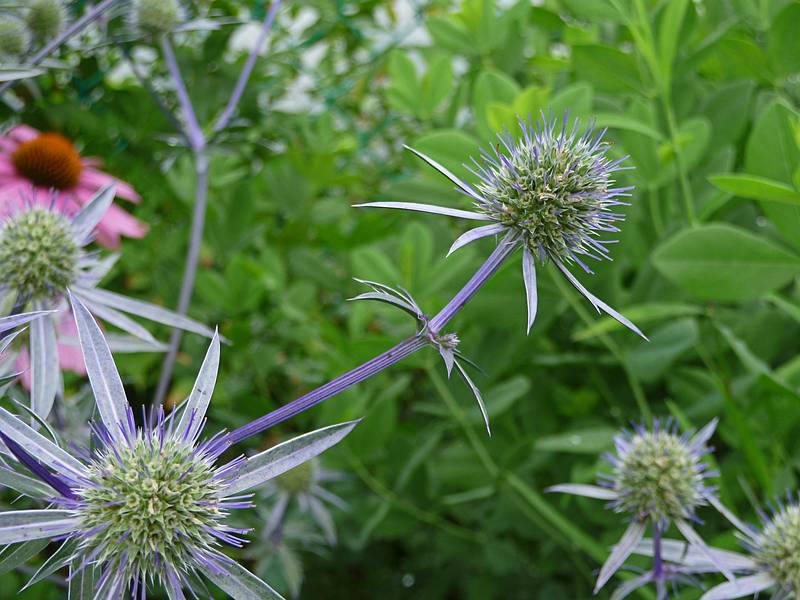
x,y
189,273
504,249
658,563
194,133
405,348
89,16
385,360
247,70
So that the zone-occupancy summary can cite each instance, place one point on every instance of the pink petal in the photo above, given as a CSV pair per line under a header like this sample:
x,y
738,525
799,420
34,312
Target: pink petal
x,y
23,133
69,353
23,365
91,178
114,224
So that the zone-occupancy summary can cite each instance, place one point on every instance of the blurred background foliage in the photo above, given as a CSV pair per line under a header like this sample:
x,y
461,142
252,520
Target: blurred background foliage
x,y
704,98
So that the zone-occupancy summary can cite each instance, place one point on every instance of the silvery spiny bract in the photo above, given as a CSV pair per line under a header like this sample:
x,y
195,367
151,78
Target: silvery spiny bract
x,y
549,192
658,477
43,256
145,507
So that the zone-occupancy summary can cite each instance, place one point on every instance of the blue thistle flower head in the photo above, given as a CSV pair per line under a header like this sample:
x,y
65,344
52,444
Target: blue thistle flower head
x,y
553,186
657,477
145,506
776,548
659,473
549,191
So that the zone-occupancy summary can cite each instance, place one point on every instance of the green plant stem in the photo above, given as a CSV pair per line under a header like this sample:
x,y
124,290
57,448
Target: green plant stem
x,y
410,509
540,510
535,500
633,382
686,188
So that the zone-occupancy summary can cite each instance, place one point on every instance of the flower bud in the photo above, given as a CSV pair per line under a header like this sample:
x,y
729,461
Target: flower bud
x,y
156,16
45,18
14,37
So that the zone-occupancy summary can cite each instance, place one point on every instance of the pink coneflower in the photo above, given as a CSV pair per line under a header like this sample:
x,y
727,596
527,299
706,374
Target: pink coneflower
x,y
48,168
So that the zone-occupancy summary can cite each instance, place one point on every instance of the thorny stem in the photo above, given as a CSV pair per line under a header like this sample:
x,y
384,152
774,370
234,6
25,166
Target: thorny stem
x,y
503,250
394,355
247,70
89,16
193,131
189,272
197,142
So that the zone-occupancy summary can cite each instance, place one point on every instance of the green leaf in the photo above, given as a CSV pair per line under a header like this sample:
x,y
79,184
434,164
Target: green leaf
x,y
649,360
532,100
491,86
783,43
501,116
606,68
436,84
450,147
582,441
669,36
614,121
576,99
638,313
755,187
725,263
15,555
451,34
772,151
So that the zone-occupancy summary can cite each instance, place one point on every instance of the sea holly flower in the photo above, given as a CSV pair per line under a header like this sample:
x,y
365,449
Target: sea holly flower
x,y
46,168
445,343
14,37
304,485
45,18
146,506
43,256
550,193
153,17
773,558
658,477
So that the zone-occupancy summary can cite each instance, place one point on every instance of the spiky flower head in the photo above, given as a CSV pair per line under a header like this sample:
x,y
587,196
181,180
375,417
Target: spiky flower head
x,y
45,18
14,36
43,258
659,474
300,479
549,191
39,256
156,16
657,478
145,506
776,548
553,186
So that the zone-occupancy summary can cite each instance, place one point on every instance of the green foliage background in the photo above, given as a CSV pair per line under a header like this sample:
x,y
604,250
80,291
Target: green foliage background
x,y
704,98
